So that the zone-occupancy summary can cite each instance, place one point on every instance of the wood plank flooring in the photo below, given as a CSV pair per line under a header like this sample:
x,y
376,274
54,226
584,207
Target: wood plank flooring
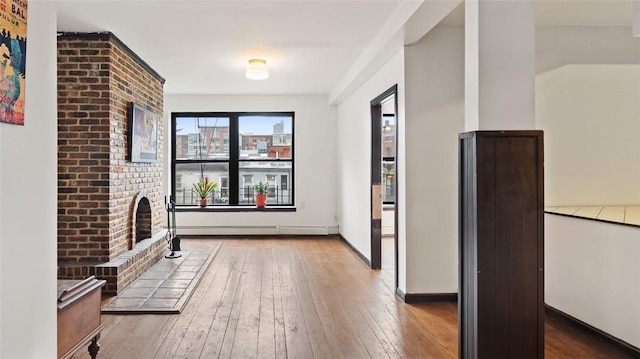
x,y
304,298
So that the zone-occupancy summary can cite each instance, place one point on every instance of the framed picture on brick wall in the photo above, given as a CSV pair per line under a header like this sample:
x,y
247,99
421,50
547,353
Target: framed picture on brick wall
x,y
143,134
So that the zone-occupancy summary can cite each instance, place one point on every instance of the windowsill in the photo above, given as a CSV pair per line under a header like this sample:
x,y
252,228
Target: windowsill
x,y
235,209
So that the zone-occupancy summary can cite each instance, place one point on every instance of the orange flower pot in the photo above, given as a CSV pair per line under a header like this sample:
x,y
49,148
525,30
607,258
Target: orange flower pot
x,y
261,200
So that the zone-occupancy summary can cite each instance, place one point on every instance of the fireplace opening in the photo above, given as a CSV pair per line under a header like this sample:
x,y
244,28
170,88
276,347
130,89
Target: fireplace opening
x,y
142,221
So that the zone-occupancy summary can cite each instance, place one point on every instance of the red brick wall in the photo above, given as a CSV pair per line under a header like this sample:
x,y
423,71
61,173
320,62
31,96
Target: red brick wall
x,y
97,79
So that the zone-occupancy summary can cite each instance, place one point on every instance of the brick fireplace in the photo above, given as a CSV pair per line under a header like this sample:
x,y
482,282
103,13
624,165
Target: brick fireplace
x,y
110,210
141,219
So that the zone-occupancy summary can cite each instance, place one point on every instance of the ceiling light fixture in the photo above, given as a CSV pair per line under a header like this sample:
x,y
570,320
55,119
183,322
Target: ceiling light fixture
x,y
257,69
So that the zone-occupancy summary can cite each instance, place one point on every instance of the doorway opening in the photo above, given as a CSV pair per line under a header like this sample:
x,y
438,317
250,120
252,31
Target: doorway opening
x,y
384,189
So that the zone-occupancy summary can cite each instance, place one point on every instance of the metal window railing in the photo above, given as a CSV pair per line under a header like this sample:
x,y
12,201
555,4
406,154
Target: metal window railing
x,y
275,196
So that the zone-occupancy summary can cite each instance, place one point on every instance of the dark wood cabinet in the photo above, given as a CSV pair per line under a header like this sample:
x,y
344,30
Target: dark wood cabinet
x,y
79,322
501,244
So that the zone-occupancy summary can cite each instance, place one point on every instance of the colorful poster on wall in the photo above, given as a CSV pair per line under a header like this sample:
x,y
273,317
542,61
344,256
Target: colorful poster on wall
x,y
143,134
13,54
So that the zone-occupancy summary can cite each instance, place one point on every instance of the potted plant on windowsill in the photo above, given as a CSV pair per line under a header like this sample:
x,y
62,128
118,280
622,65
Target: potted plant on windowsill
x,y
205,189
261,194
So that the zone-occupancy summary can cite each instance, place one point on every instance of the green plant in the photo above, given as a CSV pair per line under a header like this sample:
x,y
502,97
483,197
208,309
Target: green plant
x,y
204,188
261,188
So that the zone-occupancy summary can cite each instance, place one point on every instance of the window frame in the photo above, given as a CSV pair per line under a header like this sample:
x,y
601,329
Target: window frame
x,y
389,159
234,160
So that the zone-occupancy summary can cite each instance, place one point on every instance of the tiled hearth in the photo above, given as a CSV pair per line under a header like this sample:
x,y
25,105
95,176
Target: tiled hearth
x,y
167,285
125,268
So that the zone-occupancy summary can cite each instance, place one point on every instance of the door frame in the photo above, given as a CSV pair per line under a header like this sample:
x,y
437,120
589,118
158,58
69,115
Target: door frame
x,y
376,180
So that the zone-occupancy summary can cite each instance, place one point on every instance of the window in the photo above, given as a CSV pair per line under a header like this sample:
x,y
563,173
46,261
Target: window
x,y
237,150
388,159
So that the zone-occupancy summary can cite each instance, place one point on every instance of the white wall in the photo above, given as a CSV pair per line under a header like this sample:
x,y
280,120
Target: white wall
x,y
591,118
499,65
434,116
315,166
587,103
431,78
592,273
354,157
28,210
557,46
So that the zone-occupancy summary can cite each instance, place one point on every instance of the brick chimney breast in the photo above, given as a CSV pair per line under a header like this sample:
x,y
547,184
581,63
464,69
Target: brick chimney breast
x,y
98,186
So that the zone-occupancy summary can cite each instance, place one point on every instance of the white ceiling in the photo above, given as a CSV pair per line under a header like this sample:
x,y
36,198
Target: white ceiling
x,y
202,46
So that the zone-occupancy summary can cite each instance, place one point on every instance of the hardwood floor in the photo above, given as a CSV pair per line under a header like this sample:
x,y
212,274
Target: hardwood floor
x,y
303,298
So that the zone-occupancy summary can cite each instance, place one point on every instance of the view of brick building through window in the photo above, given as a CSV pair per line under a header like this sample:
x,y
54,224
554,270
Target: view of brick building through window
x,y
388,158
265,153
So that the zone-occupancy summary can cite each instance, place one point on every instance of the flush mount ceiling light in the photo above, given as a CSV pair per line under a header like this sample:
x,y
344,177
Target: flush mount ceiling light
x,y
257,69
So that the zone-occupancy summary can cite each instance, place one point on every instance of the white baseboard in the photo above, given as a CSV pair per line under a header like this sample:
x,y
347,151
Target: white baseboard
x,y
257,230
